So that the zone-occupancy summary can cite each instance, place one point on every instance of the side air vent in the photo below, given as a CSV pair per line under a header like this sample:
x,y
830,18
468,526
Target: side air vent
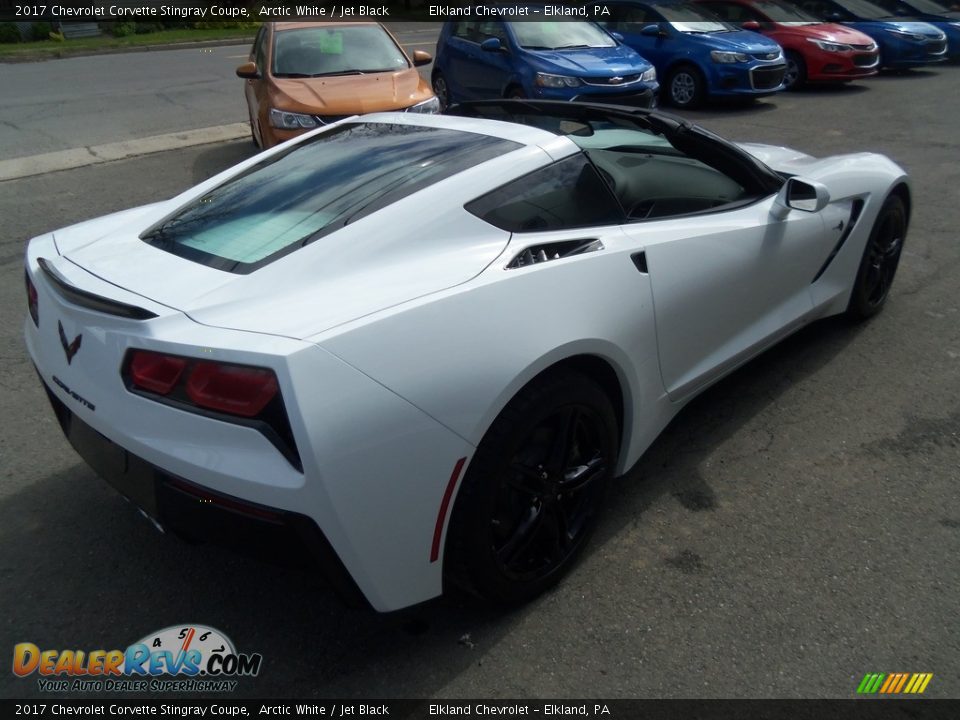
x,y
855,210
88,300
553,251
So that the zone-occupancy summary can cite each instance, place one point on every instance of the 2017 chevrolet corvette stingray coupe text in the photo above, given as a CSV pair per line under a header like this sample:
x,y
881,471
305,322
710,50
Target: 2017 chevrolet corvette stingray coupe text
x,y
420,346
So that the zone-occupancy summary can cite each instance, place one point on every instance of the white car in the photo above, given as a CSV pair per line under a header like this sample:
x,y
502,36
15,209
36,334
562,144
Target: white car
x,y
420,346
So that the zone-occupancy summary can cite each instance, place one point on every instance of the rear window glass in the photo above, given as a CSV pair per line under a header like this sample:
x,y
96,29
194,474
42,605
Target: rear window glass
x,y
568,194
315,188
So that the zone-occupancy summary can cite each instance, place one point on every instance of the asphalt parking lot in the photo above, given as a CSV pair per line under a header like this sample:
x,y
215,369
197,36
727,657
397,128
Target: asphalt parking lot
x,y
796,527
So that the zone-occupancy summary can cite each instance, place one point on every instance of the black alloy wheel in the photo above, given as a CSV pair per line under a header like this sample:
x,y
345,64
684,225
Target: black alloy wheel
x,y
881,256
534,490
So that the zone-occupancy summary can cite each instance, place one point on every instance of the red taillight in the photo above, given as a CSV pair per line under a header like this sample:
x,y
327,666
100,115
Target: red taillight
x,y
32,301
232,389
155,372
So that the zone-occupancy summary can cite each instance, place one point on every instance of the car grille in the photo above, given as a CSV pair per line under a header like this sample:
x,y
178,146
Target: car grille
x,y
767,78
866,61
616,80
767,55
936,47
864,48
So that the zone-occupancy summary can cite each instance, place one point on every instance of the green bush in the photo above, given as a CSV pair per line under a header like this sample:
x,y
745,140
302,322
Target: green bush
x,y
123,29
224,24
40,31
9,33
148,27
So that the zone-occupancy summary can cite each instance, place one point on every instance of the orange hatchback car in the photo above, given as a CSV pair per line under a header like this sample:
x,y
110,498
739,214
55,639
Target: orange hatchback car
x,y
304,75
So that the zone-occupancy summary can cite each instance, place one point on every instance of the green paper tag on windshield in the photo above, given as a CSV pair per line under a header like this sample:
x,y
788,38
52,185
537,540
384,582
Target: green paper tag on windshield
x,y
331,43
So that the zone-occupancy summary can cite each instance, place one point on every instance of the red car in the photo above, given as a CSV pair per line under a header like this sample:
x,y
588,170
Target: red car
x,y
815,51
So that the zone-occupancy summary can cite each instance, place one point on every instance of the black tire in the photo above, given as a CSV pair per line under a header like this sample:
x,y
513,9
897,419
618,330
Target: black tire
x,y
533,492
881,256
686,87
796,75
441,90
515,93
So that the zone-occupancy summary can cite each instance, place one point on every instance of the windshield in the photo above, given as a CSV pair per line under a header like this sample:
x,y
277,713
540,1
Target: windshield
x,y
863,9
783,13
692,19
560,35
315,188
346,50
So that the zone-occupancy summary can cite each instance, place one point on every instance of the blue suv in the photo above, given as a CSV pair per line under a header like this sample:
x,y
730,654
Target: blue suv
x,y
696,54
568,60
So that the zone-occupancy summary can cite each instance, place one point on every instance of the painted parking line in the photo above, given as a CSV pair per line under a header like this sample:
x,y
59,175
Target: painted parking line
x,y
16,168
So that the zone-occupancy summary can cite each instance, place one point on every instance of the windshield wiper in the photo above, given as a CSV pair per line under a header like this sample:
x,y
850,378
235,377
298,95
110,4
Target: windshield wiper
x,y
571,47
292,75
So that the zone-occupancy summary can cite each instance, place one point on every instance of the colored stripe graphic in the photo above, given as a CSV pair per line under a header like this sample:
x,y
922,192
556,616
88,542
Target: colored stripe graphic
x,y
870,683
894,683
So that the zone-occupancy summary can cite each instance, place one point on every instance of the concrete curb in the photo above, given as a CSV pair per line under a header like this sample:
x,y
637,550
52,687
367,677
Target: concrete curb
x,y
68,52
17,168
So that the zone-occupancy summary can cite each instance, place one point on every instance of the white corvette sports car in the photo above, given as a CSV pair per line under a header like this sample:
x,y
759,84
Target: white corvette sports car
x,y
420,346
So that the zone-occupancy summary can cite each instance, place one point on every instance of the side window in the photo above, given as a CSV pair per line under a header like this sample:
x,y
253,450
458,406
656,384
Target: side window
x,y
568,194
627,18
492,29
466,31
727,11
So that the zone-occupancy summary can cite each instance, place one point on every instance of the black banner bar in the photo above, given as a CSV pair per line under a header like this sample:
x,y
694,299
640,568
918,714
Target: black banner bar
x,y
192,11
867,709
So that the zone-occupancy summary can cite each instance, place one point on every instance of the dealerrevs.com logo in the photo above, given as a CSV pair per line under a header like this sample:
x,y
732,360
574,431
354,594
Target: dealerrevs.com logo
x,y
181,658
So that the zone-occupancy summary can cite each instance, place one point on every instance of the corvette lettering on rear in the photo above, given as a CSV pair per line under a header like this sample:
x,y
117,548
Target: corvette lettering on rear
x,y
79,398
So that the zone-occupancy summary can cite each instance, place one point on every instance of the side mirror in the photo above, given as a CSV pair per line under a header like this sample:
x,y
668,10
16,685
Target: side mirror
x,y
421,57
617,36
834,16
751,25
248,71
799,194
651,30
492,44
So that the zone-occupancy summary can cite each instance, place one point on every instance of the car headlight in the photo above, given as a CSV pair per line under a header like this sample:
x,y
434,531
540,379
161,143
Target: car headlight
x,y
649,76
556,81
956,25
283,120
721,56
830,46
430,107
905,34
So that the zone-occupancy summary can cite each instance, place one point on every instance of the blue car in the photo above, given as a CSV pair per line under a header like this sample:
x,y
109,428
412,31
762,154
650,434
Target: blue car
x,y
696,54
903,44
568,60
934,12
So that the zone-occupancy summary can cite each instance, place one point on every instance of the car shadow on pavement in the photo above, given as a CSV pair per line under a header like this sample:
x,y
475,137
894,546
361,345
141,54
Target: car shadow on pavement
x,y
729,415
82,569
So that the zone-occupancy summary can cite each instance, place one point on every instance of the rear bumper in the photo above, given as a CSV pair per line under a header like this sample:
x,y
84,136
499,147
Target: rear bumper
x,y
199,514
